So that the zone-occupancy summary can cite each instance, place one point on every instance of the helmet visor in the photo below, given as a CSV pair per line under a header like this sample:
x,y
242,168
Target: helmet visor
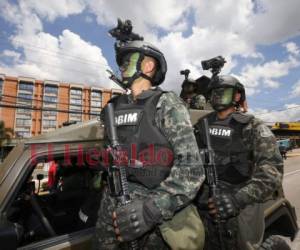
x,y
221,96
129,64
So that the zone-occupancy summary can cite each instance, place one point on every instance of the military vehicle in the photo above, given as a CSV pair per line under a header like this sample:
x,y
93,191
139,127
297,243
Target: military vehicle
x,y
32,217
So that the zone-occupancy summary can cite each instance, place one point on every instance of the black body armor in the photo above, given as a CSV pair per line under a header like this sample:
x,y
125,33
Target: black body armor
x,y
146,151
234,159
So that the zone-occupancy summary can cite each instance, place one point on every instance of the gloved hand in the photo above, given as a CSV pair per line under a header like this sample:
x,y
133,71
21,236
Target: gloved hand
x,y
224,205
135,219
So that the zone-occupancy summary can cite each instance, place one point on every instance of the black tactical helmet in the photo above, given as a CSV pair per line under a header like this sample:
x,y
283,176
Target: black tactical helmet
x,y
225,82
145,49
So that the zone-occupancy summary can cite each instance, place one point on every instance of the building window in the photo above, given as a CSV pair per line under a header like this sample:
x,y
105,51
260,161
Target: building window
x,y
1,86
25,92
49,123
75,104
50,99
76,101
23,122
26,86
23,131
24,97
76,92
97,94
49,113
76,107
95,104
23,116
50,89
75,117
24,111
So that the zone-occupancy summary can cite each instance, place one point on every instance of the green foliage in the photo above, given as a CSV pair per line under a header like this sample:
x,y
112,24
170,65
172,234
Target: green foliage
x,y
5,133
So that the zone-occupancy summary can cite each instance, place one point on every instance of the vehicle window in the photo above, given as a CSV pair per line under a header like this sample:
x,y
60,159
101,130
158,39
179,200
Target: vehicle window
x,y
56,198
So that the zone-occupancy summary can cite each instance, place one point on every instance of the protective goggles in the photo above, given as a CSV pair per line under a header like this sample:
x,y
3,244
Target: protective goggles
x,y
129,64
222,96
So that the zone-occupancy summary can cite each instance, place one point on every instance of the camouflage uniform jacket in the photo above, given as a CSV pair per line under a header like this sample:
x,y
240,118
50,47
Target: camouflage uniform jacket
x,y
187,173
268,165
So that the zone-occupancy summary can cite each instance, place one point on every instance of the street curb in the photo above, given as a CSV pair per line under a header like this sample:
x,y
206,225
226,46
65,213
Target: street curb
x,y
288,155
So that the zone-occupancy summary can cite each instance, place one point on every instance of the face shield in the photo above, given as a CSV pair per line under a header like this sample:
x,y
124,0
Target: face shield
x,y
221,98
129,66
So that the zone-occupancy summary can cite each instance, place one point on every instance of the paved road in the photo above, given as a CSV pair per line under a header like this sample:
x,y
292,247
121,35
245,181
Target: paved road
x,y
291,185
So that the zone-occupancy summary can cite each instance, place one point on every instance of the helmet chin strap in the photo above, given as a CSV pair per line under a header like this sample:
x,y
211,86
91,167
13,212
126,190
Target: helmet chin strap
x,y
139,73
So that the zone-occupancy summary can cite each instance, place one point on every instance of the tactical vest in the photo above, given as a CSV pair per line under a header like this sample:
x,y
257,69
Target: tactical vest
x,y
147,152
234,159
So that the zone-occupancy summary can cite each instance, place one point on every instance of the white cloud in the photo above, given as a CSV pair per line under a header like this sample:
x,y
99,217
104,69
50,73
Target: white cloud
x,y
257,22
191,31
227,28
296,89
146,15
256,77
278,21
15,56
184,51
53,9
226,15
289,113
65,58
292,48
26,21
188,52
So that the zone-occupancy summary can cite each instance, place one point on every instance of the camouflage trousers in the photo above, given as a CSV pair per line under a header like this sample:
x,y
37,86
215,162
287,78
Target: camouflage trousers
x,y
105,238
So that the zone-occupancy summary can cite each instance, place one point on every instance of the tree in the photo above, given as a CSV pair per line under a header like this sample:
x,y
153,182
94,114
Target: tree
x,y
5,134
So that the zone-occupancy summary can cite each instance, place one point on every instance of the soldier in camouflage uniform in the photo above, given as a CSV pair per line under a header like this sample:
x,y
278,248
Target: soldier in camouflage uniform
x,y
248,165
198,102
149,118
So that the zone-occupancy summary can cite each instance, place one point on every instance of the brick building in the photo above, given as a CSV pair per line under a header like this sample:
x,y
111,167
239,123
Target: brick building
x,y
31,107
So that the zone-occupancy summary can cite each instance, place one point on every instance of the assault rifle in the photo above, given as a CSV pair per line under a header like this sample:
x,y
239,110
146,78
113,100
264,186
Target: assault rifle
x,y
117,179
212,177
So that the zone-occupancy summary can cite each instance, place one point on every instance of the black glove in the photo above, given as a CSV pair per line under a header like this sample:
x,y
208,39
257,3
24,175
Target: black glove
x,y
227,206
136,218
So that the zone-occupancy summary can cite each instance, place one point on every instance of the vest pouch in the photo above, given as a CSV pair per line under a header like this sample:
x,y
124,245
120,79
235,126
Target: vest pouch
x,y
242,163
150,177
185,230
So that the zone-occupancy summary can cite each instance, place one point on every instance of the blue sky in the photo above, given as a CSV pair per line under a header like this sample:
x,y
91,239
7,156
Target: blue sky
x,y
67,41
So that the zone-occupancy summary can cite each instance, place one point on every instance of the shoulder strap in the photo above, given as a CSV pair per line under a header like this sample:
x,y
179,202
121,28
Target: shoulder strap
x,y
242,117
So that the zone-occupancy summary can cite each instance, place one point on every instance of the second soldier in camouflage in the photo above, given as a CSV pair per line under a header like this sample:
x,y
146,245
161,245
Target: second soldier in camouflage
x,y
248,164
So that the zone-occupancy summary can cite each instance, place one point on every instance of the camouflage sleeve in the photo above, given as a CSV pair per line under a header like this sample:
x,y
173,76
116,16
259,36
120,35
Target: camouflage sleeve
x,y
268,165
187,173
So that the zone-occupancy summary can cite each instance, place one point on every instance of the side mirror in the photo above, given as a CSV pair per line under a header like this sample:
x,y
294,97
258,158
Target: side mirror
x,y
8,236
40,177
